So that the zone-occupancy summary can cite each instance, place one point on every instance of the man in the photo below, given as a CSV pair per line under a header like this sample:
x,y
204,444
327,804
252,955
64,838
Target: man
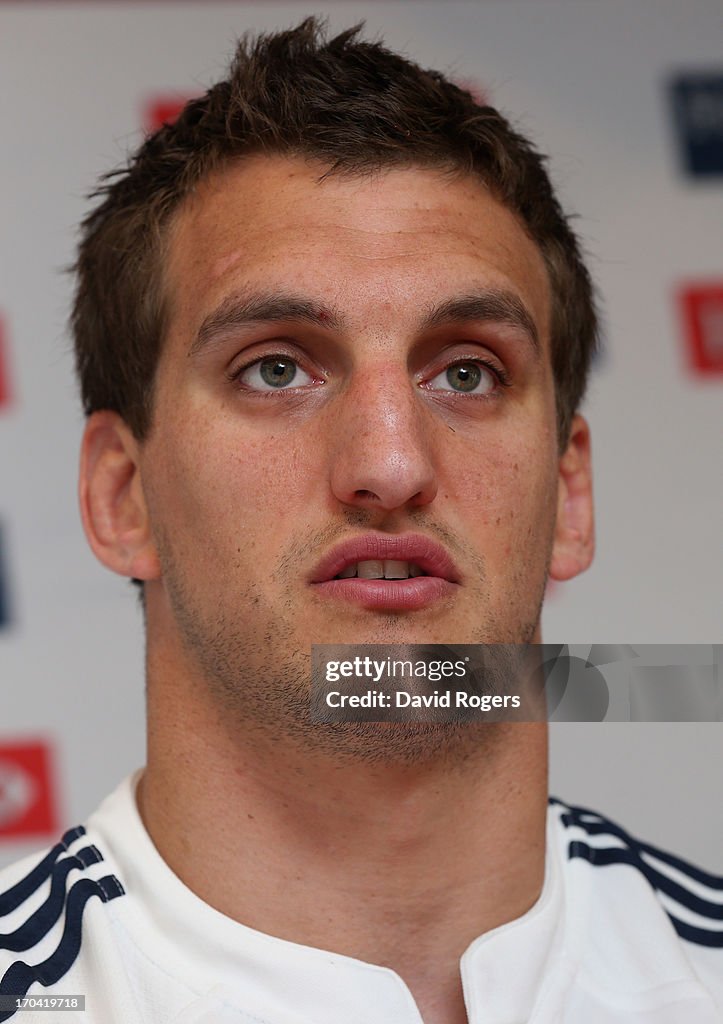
x,y
332,332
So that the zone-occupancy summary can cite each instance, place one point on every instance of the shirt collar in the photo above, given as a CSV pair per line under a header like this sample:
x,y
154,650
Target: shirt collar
x,y
271,979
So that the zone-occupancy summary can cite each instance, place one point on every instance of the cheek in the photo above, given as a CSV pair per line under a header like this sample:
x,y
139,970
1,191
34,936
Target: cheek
x,y
509,497
217,487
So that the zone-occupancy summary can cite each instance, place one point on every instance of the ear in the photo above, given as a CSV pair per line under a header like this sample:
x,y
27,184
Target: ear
x,y
574,543
112,502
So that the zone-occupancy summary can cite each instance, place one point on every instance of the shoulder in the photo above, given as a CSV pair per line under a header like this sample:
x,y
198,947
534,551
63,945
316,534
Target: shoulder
x,y
48,903
691,896
666,913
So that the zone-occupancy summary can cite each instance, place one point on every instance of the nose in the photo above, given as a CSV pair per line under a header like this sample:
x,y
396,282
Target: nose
x,y
382,457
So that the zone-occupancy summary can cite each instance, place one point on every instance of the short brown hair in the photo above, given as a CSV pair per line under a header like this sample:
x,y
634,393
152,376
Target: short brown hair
x,y
356,107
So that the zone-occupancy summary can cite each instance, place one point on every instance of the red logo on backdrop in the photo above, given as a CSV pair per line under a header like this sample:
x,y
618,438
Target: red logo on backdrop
x,y
4,374
27,804
162,110
703,313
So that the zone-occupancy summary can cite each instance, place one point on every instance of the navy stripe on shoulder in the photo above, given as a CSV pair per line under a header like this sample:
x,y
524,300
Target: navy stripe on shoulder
x,y
18,978
18,893
40,923
634,854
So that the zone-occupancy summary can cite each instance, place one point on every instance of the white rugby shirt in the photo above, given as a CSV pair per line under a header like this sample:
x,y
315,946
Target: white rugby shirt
x,y
622,933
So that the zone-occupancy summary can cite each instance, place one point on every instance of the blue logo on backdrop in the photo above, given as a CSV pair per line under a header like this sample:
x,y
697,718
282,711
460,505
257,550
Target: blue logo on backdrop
x,y
698,112
4,609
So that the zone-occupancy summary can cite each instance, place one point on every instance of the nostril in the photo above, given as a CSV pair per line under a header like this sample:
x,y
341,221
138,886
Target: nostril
x,y
367,494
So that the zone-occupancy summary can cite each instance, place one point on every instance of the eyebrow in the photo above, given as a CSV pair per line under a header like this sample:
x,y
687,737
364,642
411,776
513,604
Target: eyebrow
x,y
490,305
241,310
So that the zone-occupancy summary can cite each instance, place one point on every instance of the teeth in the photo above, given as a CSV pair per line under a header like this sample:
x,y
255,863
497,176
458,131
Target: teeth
x,y
375,569
371,570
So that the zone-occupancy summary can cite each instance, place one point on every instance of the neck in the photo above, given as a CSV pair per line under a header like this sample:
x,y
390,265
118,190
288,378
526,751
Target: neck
x,y
410,862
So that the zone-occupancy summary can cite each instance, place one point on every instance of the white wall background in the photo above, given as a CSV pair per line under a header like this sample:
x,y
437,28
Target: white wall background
x,y
585,78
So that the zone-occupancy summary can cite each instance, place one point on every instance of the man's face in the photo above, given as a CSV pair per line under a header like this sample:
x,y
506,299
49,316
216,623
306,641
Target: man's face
x,y
396,390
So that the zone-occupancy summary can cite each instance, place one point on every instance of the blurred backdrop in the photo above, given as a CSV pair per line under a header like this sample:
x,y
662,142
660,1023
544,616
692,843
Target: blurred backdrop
x,y
627,98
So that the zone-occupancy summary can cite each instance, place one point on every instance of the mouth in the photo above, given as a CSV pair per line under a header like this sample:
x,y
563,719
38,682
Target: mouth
x,y
374,569
387,572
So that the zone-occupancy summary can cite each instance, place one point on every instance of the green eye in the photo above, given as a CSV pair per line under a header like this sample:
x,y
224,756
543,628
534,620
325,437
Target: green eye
x,y
277,372
465,378
273,373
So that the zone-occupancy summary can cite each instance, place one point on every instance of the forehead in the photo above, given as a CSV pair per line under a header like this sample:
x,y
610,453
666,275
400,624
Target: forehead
x,y
378,245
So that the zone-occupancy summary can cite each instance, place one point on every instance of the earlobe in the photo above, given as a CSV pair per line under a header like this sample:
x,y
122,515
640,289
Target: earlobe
x,y
574,543
112,502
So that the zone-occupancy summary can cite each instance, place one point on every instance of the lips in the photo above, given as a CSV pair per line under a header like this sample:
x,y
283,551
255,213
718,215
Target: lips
x,y
431,558
434,574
